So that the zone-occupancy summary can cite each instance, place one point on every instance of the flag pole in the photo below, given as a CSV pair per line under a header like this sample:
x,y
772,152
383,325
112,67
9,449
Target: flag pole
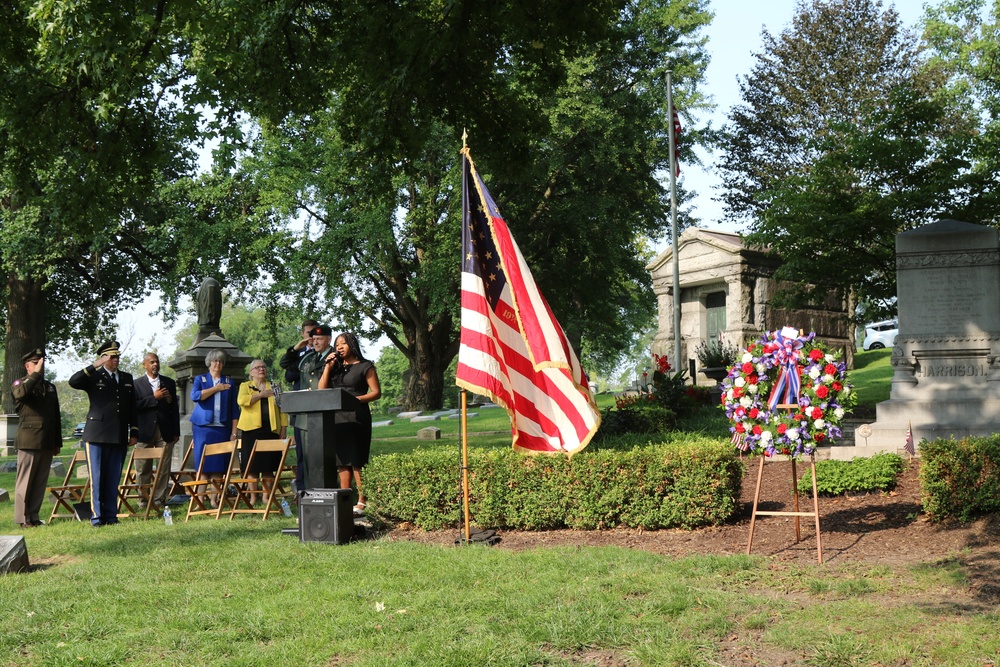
x,y
673,224
465,468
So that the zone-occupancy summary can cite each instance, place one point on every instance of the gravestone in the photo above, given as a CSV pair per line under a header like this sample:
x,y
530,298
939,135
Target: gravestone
x,y
946,360
13,554
429,433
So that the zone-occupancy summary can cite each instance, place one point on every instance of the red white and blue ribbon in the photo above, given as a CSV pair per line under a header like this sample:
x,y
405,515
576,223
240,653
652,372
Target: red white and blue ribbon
x,y
789,382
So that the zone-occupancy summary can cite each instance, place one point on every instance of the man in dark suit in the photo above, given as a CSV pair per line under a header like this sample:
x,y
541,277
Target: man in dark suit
x,y
111,427
159,417
38,439
290,362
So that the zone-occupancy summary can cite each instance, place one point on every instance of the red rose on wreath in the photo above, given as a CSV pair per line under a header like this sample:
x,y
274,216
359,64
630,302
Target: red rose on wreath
x,y
822,391
816,354
757,429
837,386
747,367
817,413
819,437
829,369
754,412
782,428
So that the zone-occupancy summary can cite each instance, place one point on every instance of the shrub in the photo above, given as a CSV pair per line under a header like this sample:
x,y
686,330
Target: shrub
x,y
960,478
652,487
833,478
636,414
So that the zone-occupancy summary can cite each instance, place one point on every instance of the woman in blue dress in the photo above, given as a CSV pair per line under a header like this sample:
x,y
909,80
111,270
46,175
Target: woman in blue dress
x,y
214,415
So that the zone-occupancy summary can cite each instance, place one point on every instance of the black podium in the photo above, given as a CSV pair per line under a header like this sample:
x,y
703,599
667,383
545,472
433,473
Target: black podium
x,y
320,447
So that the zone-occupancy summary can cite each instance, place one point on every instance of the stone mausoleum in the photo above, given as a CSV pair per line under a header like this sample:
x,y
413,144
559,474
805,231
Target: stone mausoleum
x,y
727,288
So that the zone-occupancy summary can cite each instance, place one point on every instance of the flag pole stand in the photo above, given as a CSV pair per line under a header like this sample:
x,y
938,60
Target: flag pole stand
x,y
795,495
467,530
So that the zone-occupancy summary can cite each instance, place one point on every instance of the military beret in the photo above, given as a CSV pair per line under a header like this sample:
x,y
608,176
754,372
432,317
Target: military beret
x,y
321,330
37,353
110,348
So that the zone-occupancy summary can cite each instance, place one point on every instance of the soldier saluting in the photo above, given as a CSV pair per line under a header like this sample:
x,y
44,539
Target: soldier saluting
x,y
38,439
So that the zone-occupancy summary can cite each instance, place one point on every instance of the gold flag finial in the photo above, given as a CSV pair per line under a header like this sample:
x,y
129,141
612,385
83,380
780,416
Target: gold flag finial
x,y
465,135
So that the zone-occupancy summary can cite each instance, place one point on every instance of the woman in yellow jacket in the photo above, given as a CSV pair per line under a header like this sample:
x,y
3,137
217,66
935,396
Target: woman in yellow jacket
x,y
260,419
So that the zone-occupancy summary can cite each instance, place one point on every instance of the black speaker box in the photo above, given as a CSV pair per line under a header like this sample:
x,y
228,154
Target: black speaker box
x,y
326,515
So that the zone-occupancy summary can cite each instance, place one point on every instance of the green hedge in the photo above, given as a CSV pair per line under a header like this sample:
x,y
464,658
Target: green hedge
x,y
834,478
960,478
652,487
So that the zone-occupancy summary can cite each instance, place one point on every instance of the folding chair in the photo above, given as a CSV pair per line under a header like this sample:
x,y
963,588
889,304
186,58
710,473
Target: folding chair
x,y
201,490
275,489
186,472
67,494
132,493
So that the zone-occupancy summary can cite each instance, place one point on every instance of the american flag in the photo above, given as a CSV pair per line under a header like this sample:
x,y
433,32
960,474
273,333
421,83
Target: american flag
x,y
512,348
677,142
910,449
740,440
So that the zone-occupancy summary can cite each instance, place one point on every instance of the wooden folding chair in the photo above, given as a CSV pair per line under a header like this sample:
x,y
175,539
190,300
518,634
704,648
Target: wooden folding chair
x,y
275,489
186,472
66,494
133,494
201,490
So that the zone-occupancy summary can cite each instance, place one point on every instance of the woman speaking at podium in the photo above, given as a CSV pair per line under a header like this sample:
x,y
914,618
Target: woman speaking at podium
x,y
347,369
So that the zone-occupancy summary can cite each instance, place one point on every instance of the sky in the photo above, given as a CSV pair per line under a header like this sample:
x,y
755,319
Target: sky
x,y
734,36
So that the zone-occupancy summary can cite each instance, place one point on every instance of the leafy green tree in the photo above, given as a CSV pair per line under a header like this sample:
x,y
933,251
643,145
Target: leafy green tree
x,y
835,63
844,139
576,179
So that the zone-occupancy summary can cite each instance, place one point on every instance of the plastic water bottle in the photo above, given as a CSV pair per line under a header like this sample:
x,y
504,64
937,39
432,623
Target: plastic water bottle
x,y
167,516
285,508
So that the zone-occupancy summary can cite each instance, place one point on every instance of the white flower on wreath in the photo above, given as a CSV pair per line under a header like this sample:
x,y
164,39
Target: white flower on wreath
x,y
819,424
752,388
746,357
814,372
792,433
846,391
739,382
746,401
729,395
827,379
830,358
839,413
761,369
765,438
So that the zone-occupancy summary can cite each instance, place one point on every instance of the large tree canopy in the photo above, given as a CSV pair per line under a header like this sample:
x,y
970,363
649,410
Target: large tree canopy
x,y
349,113
845,137
571,132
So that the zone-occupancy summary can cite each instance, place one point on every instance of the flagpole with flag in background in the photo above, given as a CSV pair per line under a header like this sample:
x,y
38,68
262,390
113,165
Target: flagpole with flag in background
x,y
675,171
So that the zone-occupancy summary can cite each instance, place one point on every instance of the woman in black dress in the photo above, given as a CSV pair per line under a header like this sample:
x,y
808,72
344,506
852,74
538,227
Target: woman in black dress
x,y
349,370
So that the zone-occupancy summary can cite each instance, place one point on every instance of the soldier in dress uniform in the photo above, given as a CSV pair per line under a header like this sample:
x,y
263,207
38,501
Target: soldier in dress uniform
x,y
112,426
38,439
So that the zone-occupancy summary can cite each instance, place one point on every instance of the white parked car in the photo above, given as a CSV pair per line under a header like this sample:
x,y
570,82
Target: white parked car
x,y
880,334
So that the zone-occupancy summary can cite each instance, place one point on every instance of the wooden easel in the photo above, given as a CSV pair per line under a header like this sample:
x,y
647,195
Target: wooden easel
x,y
795,494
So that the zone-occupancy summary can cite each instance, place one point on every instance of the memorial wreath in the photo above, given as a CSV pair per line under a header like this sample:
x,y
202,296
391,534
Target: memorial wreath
x,y
786,395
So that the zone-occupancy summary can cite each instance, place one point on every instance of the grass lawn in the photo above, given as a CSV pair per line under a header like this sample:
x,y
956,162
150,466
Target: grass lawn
x,y
241,594
871,376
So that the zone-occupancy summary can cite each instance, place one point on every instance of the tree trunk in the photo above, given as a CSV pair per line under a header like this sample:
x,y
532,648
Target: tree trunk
x,y
434,346
25,329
